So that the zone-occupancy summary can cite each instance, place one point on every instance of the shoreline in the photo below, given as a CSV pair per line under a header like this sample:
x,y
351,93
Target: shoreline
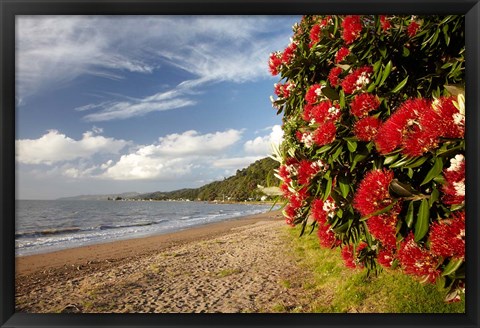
x,y
236,266
135,246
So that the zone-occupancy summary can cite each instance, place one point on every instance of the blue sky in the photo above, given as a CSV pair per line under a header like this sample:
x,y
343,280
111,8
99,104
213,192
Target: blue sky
x,y
142,103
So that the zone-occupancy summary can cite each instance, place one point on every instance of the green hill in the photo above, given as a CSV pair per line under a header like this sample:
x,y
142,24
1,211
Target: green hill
x,y
242,186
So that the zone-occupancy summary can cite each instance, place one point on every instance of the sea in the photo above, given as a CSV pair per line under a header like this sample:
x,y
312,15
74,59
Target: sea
x,y
43,226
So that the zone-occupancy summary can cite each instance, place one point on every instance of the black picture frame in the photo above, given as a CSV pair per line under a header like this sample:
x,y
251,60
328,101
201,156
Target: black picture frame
x,y
10,8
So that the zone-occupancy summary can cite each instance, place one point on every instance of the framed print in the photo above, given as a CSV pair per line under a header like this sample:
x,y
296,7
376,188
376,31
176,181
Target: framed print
x,y
239,163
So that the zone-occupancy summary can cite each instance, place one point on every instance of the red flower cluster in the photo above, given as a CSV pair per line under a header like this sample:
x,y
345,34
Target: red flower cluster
x,y
341,54
352,27
333,76
412,29
372,194
366,129
316,31
349,258
321,211
444,119
296,200
275,62
357,80
454,189
386,257
283,90
385,23
314,94
307,170
447,237
418,124
289,53
322,112
325,134
383,228
417,261
402,128
364,103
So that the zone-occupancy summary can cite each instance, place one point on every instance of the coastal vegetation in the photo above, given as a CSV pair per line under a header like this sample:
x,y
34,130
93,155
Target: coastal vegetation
x,y
243,186
373,157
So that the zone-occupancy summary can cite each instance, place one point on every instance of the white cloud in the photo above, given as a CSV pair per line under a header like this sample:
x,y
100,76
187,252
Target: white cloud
x,y
262,145
53,50
235,162
175,155
55,147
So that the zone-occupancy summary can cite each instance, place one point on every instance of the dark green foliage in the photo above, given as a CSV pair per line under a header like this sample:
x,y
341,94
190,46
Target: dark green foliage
x,y
240,187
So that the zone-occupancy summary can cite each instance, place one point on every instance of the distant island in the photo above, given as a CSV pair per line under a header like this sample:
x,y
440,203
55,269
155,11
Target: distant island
x,y
248,184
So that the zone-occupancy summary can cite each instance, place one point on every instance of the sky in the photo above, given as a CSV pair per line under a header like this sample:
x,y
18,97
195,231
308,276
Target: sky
x,y
113,104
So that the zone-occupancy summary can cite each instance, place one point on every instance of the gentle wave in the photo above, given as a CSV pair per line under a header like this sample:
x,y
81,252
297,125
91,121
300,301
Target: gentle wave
x,y
98,222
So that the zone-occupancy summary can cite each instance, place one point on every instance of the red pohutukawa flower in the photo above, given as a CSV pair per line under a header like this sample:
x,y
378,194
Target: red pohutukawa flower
x,y
386,257
385,23
323,210
289,53
367,128
357,80
275,62
283,90
307,170
324,111
447,237
364,103
315,34
383,228
296,200
314,94
349,259
403,128
454,187
417,261
333,76
372,195
341,54
325,134
412,29
352,27
447,118
327,237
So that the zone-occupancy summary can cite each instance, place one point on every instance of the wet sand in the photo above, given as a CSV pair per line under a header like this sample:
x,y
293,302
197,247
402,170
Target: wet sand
x,y
240,265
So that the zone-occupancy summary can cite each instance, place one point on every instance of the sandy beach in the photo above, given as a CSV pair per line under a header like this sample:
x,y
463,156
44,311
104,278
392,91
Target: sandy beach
x,y
239,265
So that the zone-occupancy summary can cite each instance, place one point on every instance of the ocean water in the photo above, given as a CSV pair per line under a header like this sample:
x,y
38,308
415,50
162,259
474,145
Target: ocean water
x,y
43,226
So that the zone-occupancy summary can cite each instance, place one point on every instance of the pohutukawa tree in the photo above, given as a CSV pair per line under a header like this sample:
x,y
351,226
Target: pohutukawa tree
x,y
373,152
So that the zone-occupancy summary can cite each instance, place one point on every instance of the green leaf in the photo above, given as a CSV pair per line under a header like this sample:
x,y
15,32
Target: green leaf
x,y
390,159
324,149
417,162
405,52
386,72
434,171
381,211
409,215
433,197
352,145
330,93
328,189
399,86
421,226
344,184
400,189
342,99
376,66
452,266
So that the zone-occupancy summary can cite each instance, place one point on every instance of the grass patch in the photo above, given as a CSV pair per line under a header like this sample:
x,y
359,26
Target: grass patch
x,y
333,288
227,272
